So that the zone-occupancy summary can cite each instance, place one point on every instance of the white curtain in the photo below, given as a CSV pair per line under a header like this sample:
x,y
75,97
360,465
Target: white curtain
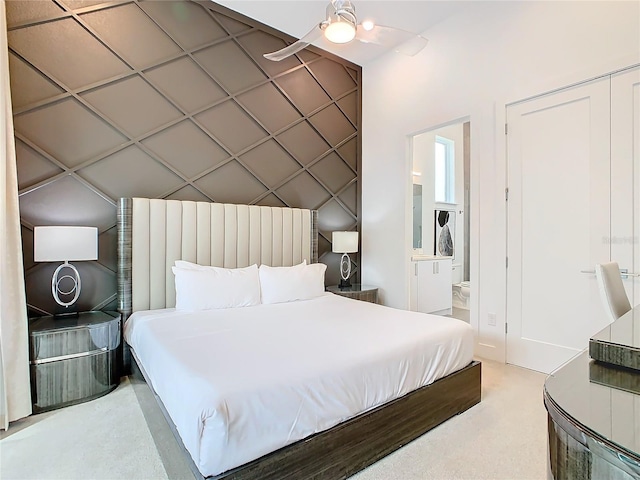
x,y
15,392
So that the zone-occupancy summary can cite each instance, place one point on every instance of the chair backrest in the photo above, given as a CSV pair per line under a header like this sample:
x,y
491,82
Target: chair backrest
x,y
612,291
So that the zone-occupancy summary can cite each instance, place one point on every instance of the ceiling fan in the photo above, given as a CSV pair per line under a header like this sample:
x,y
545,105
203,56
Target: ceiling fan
x,y
341,26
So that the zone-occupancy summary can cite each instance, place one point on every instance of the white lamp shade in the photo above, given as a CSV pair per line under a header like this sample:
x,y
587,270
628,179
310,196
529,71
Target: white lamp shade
x,y
57,244
344,242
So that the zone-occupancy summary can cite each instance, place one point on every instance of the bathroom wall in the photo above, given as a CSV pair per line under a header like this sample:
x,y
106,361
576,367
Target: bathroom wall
x,y
424,163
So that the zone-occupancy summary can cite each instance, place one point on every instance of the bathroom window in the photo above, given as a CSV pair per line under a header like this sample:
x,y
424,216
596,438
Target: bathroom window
x,y
444,170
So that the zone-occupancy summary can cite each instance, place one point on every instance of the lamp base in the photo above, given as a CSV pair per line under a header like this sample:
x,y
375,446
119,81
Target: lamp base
x,y
76,285
344,284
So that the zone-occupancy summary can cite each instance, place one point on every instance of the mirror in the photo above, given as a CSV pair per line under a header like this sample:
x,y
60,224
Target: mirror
x,y
440,182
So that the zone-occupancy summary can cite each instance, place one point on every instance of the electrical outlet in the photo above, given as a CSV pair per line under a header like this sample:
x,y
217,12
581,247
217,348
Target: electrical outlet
x,y
491,319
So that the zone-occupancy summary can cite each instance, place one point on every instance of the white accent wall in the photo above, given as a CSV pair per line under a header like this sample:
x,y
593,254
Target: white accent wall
x,y
476,63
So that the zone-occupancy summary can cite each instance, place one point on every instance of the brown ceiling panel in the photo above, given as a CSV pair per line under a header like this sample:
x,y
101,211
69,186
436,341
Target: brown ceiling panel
x,y
324,247
269,106
333,76
137,39
76,4
133,105
230,124
303,142
333,217
66,51
258,43
332,124
303,191
187,148
32,167
350,198
33,87
333,172
231,183
127,174
188,193
230,66
66,201
186,84
188,81
27,247
270,163
271,201
349,152
349,105
186,22
303,90
233,26
68,131
108,248
22,11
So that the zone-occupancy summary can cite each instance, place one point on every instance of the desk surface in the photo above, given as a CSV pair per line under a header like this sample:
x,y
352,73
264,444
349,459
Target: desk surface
x,y
624,331
601,402
600,399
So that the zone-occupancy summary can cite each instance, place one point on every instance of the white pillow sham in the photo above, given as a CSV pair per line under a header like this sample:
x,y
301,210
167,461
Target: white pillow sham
x,y
200,287
288,284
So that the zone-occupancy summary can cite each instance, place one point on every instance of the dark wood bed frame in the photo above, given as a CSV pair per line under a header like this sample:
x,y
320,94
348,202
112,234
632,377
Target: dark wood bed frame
x,y
336,453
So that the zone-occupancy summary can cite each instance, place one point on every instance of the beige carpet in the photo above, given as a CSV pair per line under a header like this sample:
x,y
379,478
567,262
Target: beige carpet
x,y
504,437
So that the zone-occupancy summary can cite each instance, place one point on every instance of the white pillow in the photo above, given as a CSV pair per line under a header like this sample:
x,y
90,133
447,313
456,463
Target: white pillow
x,y
288,284
207,288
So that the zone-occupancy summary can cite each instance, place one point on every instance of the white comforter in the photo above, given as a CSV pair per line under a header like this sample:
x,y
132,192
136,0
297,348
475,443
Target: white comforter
x,y
240,383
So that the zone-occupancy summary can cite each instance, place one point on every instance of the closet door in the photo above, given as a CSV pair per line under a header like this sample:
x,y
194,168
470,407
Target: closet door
x,y
558,219
625,177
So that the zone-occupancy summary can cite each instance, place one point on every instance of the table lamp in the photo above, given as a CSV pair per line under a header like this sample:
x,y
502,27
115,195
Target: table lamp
x,y
64,244
345,243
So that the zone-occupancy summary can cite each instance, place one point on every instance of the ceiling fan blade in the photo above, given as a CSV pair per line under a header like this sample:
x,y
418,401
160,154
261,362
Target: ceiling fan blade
x,y
401,41
295,47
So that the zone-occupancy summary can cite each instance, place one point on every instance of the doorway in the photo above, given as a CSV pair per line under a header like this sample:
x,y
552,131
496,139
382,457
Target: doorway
x,y
570,206
440,180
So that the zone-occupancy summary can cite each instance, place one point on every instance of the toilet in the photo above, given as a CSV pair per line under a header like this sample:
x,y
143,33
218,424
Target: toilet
x,y
461,293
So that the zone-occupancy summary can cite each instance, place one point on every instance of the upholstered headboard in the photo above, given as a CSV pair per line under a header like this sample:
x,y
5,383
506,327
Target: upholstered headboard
x,y
153,234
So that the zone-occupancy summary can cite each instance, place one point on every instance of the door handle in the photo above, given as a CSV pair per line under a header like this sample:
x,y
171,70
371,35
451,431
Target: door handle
x,y
624,273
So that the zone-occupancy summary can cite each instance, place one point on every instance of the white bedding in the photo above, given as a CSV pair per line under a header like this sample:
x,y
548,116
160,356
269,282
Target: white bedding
x,y
239,383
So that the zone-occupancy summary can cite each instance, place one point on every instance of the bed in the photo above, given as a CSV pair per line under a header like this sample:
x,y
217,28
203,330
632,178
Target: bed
x,y
316,388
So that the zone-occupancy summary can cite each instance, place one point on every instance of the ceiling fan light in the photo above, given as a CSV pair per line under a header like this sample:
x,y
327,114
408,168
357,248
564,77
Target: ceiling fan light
x,y
368,25
340,32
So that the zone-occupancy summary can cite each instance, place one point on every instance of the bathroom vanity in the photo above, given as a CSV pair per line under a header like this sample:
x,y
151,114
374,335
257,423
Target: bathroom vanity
x,y
430,284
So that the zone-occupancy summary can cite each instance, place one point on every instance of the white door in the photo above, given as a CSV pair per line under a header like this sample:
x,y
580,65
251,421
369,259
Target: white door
x,y
558,222
625,177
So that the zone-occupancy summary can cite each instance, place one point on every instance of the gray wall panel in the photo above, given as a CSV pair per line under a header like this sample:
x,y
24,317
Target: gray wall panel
x,y
171,99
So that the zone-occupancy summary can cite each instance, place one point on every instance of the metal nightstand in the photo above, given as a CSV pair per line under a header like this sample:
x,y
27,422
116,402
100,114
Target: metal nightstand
x,y
74,359
357,291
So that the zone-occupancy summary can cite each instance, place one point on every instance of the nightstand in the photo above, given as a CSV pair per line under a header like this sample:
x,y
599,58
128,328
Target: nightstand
x,y
73,358
357,291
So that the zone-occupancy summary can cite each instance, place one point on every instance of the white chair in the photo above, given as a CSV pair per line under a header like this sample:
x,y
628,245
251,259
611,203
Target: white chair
x,y
612,291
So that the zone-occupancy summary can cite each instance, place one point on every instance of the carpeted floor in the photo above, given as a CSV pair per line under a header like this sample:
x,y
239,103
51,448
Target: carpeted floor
x,y
504,437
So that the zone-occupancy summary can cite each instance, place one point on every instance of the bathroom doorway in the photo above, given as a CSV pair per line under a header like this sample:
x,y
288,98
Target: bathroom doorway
x,y
441,204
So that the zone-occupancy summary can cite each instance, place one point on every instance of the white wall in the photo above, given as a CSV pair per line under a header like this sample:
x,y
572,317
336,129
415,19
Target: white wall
x,y
476,62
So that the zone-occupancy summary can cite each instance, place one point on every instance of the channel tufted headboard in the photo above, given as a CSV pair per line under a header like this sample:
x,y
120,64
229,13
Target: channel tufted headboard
x,y
153,234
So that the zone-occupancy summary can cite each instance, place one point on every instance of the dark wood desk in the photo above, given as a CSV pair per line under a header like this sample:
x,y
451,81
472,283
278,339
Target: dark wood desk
x,y
594,415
